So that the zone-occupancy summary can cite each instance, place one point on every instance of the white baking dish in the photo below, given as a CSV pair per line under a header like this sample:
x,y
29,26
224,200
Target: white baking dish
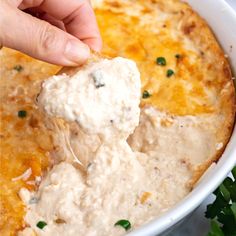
x,y
222,19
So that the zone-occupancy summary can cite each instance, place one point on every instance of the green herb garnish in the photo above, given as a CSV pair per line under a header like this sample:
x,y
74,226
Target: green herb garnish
x,y
41,224
22,113
222,211
177,56
19,68
169,73
146,94
161,61
123,223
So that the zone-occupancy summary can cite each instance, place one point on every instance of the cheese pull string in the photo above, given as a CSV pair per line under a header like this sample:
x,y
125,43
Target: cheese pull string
x,y
62,129
60,125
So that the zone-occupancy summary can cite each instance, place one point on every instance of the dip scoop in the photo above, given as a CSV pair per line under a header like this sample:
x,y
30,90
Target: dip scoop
x,y
102,97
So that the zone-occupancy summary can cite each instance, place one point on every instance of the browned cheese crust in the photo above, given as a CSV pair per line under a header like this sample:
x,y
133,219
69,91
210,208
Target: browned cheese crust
x,y
149,29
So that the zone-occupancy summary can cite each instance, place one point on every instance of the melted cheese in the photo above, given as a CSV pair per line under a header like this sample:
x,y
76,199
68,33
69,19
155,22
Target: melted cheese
x,y
24,142
182,94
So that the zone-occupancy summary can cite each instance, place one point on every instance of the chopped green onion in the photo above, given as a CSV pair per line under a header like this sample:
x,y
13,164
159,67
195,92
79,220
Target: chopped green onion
x,y
18,68
123,223
161,61
98,78
177,56
169,73
41,224
146,94
22,113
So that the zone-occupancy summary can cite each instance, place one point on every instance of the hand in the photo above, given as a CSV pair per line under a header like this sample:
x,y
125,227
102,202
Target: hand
x,y
57,31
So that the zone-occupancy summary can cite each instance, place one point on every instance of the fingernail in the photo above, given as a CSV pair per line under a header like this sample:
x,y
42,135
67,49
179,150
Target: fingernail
x,y
76,51
97,46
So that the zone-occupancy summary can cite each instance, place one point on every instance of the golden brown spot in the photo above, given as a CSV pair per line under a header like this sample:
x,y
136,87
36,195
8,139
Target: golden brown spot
x,y
187,29
33,122
114,4
227,71
166,122
210,66
146,10
60,221
145,197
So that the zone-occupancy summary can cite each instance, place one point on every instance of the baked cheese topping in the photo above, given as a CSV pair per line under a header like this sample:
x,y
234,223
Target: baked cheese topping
x,y
102,97
167,29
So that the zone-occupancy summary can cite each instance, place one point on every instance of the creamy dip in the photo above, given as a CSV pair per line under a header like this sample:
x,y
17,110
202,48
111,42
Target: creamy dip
x,y
136,181
102,97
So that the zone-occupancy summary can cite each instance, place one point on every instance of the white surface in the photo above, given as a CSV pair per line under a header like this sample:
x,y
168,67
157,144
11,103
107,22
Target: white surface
x,y
222,19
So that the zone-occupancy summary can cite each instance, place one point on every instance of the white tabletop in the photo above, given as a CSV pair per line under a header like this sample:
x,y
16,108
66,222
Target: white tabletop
x,y
197,224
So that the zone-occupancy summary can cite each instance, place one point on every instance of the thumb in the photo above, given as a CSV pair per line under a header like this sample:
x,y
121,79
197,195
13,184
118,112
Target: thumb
x,y
39,39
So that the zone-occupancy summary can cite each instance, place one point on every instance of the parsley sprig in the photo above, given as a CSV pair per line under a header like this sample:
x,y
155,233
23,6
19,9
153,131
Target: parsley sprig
x,y
222,211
